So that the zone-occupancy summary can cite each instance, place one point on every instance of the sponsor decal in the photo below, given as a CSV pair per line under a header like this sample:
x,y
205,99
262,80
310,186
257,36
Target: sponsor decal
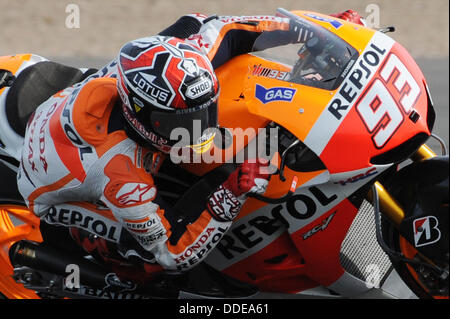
x,y
247,235
335,23
135,193
224,204
357,80
347,68
259,70
199,89
83,218
32,128
426,231
274,94
42,135
147,233
359,177
159,141
104,293
140,226
138,104
69,130
204,244
248,18
146,83
321,227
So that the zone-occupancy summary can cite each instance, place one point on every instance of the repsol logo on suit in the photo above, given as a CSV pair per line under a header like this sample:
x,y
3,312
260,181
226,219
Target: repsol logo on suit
x,y
69,130
83,218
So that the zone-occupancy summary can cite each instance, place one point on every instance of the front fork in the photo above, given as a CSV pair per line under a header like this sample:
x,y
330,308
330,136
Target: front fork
x,y
389,207
420,195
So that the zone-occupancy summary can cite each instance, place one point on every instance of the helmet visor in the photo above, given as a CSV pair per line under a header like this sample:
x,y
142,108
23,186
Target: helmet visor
x,y
186,127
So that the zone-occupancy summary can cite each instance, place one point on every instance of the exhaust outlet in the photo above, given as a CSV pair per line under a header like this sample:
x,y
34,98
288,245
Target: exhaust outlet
x,y
45,258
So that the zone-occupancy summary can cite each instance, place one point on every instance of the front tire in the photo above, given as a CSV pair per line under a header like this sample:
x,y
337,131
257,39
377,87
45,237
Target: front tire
x,y
424,284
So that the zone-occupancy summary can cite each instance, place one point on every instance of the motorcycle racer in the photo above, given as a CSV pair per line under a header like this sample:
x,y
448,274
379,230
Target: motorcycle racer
x,y
91,150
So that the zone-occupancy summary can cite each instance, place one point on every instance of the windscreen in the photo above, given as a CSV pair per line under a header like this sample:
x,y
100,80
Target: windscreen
x,y
313,55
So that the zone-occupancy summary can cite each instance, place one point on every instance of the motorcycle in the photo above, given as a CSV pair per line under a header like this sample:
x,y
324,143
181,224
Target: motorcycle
x,y
358,200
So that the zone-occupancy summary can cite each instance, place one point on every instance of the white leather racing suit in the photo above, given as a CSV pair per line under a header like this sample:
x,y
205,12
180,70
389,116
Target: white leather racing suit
x,y
80,169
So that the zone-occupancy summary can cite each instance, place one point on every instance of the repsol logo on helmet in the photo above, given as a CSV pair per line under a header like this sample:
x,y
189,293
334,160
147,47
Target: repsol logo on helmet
x,y
94,224
198,89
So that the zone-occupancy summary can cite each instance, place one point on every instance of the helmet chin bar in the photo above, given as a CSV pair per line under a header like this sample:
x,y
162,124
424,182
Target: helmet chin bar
x,y
137,137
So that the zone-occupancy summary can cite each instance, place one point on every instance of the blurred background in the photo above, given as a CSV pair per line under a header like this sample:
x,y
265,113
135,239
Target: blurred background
x,y
39,26
50,29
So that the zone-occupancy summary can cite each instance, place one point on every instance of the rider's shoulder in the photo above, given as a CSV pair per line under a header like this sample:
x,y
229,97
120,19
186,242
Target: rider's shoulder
x,y
96,97
92,109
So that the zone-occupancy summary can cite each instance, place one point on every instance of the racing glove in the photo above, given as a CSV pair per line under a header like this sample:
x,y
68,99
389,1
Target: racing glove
x,y
350,16
225,203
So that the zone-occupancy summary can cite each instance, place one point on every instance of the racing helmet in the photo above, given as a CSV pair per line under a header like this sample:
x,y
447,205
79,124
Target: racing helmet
x,y
166,85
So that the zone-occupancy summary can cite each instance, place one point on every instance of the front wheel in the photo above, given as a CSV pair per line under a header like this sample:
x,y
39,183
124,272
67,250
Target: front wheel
x,y
421,238
421,189
423,282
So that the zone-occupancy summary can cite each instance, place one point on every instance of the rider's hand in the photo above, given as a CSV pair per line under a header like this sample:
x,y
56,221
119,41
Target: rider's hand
x,y
350,16
249,178
226,202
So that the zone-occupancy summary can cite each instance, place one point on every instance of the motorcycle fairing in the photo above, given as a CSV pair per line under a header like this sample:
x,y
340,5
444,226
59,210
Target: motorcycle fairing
x,y
296,245
335,124
373,129
286,240
295,248
15,64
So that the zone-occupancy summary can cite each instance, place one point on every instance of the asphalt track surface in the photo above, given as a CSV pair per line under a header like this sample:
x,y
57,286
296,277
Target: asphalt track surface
x,y
436,72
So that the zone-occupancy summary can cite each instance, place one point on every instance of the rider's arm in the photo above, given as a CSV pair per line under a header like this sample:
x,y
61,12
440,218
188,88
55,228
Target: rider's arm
x,y
222,38
131,195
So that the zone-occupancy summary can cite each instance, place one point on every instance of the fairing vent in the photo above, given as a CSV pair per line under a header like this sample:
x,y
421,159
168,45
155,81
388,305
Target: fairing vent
x,y
299,158
360,253
401,152
431,114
